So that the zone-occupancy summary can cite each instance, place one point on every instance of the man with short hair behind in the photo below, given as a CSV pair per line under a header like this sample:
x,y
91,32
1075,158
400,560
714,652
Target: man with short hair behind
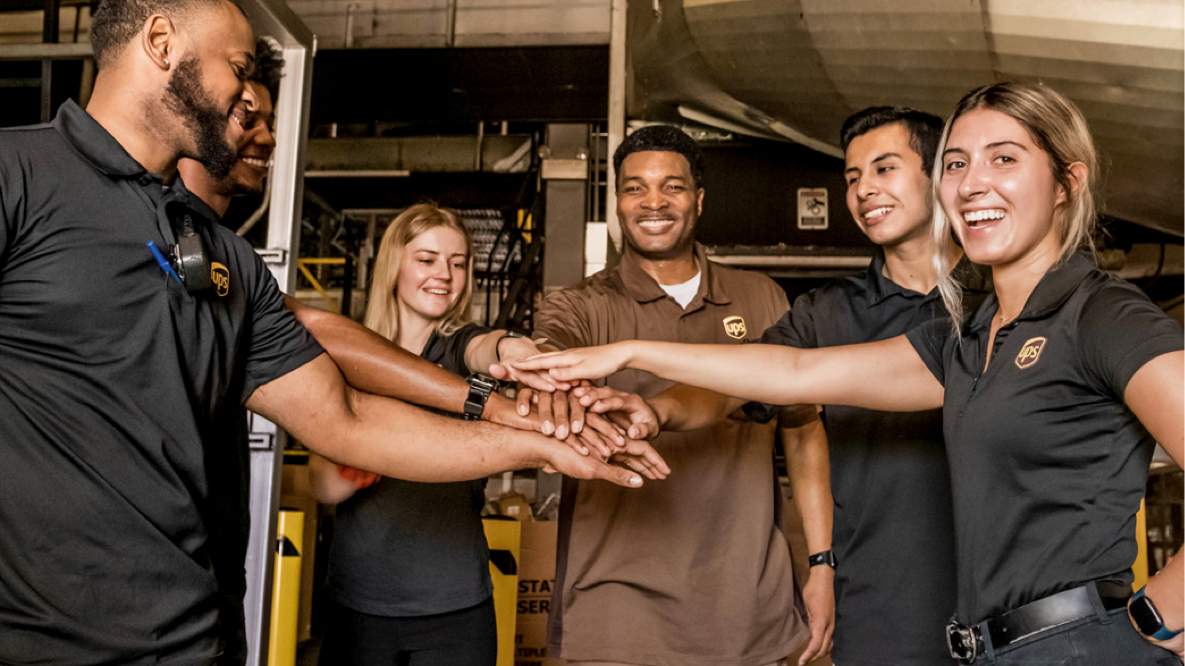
x,y
368,361
696,572
114,366
893,534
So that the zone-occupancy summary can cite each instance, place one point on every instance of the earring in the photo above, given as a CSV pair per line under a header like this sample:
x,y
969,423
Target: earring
x,y
166,62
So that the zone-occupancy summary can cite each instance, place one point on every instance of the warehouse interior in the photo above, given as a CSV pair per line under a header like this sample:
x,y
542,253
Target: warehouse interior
x,y
508,111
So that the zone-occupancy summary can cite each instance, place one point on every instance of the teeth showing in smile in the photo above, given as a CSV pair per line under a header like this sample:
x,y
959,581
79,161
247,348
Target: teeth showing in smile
x,y
255,162
437,292
976,216
877,212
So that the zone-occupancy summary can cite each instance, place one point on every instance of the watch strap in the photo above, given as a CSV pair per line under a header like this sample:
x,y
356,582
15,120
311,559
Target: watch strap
x,y
498,344
822,557
480,388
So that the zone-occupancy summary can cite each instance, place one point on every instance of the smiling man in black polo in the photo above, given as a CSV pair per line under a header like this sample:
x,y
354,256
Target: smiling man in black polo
x,y
112,369
893,532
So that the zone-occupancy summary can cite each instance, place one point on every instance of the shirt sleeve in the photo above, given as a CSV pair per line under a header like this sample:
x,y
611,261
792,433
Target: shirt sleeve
x,y
276,343
449,352
929,340
563,320
796,328
1120,330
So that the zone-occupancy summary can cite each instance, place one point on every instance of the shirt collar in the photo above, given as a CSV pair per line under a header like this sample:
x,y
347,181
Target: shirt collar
x,y
94,143
1058,283
644,289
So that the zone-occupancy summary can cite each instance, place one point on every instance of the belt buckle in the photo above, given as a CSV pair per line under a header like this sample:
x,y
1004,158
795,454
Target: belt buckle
x,y
966,642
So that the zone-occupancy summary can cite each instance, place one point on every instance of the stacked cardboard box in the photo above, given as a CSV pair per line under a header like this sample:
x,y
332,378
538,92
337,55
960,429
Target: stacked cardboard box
x,y
536,579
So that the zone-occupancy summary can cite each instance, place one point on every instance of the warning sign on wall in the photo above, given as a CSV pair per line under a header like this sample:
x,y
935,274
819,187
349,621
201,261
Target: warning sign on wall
x,y
812,208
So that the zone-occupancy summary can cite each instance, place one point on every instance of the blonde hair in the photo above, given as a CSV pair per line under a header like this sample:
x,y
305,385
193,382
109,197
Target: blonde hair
x,y
382,312
1057,127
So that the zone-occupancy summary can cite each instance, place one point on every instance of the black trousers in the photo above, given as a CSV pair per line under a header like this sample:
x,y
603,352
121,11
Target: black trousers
x,y
466,637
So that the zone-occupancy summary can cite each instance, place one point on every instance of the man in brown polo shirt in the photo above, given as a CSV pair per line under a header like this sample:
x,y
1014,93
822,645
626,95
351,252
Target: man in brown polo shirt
x,y
693,571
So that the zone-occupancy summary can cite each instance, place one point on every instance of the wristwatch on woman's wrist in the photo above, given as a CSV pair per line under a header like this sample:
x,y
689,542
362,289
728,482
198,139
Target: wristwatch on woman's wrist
x,y
480,388
498,344
1148,619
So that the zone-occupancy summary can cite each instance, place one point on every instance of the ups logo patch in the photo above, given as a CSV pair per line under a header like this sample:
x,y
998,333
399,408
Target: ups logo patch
x,y
734,326
1030,353
220,278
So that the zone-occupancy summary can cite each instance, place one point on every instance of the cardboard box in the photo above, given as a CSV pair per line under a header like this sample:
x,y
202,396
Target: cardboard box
x,y
536,579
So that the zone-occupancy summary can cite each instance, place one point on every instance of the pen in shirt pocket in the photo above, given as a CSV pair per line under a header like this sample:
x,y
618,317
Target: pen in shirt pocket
x,y
161,261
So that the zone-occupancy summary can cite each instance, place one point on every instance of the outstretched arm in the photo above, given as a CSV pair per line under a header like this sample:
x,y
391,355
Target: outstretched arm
x,y
376,365
394,439
1156,395
887,375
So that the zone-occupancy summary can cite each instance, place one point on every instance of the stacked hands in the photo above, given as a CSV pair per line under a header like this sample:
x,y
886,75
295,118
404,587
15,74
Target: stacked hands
x,y
598,423
609,425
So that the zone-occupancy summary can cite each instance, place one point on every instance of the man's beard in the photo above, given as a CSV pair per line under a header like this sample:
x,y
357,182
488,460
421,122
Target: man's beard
x,y
186,97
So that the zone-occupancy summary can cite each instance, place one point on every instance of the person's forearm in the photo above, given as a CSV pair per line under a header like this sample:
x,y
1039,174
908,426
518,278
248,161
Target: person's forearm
x,y
887,375
399,440
809,471
682,407
377,365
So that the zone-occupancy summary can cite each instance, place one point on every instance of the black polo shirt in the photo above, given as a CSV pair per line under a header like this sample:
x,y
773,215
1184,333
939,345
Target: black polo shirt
x,y
893,532
407,549
1048,465
110,377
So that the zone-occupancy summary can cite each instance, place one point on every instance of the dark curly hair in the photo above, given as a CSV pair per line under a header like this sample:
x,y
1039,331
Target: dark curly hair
x,y
116,22
269,67
663,138
924,129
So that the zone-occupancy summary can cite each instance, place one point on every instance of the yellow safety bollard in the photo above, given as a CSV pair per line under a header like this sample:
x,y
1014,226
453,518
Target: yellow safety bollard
x,y
286,590
503,536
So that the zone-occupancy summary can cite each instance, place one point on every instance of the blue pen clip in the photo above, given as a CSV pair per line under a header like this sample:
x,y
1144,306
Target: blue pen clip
x,y
162,262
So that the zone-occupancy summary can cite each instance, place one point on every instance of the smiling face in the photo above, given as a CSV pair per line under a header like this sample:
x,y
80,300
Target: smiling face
x,y
888,193
432,274
999,191
256,143
658,204
206,85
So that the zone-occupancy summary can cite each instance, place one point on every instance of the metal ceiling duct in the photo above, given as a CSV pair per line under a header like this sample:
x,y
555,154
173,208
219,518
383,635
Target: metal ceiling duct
x,y
796,68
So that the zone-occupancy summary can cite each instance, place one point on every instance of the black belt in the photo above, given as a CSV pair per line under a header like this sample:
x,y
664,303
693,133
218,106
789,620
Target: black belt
x,y
966,641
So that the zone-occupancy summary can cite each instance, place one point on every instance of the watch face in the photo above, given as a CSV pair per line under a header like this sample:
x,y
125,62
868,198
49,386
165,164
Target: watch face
x,y
1145,615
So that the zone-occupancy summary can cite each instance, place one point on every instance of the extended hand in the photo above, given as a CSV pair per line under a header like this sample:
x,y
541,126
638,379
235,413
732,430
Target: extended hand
x,y
513,350
819,597
628,410
581,363
566,461
641,457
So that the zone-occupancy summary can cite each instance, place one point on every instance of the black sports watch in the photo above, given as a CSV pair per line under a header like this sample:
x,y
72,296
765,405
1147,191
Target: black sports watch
x,y
823,557
1148,619
480,388
498,344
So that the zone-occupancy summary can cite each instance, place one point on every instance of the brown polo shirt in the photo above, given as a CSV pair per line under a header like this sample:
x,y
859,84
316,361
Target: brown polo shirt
x,y
693,570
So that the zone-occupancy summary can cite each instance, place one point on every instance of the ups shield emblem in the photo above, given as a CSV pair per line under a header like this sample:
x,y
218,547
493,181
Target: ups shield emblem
x,y
734,326
220,278
1030,353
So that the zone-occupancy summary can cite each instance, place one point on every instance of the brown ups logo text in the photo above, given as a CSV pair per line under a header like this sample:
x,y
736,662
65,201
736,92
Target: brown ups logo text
x,y
1029,353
